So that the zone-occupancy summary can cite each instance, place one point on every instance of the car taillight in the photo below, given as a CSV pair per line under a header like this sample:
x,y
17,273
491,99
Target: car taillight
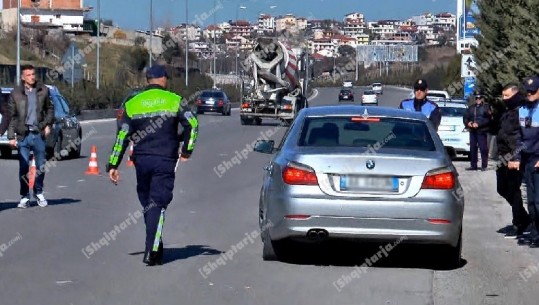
x,y
220,103
199,101
440,179
245,105
299,174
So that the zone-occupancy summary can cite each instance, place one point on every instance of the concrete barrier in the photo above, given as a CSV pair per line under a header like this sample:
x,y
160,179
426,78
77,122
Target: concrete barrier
x,y
99,114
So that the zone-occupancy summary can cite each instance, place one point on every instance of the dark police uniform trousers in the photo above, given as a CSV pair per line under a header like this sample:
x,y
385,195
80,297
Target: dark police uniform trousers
x,y
155,183
531,178
478,138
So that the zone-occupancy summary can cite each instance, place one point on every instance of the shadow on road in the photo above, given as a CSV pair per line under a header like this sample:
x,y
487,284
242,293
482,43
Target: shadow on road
x,y
173,254
352,254
51,202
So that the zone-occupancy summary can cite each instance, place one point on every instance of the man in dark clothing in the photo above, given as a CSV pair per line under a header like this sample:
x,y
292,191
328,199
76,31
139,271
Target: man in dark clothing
x,y
509,180
477,120
32,116
420,103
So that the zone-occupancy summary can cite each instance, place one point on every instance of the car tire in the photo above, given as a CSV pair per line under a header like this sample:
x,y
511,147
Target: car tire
x,y
6,152
451,257
246,121
272,250
258,121
229,113
200,112
75,154
58,147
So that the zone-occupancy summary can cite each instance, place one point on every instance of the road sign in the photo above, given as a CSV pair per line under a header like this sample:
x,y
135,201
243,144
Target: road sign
x,y
467,66
469,86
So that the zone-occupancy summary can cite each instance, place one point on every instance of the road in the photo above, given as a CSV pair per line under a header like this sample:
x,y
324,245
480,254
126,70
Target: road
x,y
64,253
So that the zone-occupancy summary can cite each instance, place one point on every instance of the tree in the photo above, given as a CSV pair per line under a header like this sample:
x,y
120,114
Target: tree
x,y
346,51
507,50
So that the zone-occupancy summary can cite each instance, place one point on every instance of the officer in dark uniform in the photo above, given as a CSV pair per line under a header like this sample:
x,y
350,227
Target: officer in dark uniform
x,y
528,156
420,103
152,122
477,120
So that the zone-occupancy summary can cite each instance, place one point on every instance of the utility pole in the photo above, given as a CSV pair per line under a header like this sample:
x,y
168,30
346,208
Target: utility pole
x,y
18,76
151,30
186,43
98,41
214,44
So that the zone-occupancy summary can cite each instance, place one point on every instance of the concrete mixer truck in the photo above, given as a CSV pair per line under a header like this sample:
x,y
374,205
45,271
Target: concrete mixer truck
x,y
275,82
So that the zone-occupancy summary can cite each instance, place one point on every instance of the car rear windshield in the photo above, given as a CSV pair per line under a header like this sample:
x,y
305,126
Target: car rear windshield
x,y
371,132
453,111
369,92
217,94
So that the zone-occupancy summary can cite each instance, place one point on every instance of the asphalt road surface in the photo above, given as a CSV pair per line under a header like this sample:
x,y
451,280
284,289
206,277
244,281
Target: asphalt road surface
x,y
86,246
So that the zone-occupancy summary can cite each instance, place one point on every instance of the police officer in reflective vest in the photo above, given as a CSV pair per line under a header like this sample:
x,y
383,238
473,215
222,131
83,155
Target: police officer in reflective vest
x,y
420,103
155,121
528,156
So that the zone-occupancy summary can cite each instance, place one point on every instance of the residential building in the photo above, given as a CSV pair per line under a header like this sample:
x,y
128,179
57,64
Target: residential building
x,y
241,28
200,48
445,21
239,42
301,23
287,22
213,31
67,15
353,27
193,32
266,24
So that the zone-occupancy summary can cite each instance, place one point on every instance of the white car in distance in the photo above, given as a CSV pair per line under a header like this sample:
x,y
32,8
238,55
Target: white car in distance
x,y
452,132
369,98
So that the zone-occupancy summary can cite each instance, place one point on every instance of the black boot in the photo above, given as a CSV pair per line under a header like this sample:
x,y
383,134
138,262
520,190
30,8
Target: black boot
x,y
152,258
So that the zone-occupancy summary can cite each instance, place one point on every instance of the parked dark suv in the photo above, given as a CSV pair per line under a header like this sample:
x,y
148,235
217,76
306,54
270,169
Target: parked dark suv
x,y
66,129
214,101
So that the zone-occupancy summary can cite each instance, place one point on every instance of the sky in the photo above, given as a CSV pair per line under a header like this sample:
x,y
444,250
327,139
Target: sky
x,y
134,14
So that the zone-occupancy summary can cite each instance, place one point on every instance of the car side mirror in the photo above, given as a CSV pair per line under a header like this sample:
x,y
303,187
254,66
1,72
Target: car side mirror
x,y
264,146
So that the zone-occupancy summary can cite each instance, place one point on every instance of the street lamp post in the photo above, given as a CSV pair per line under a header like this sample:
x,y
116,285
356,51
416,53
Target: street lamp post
x,y
98,41
18,76
151,30
214,44
186,43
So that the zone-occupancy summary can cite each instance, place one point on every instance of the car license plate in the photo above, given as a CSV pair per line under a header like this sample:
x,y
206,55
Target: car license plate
x,y
369,183
209,102
446,128
247,110
450,140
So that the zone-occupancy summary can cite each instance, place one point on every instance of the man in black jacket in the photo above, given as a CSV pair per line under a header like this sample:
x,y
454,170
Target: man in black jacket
x,y
477,120
32,116
509,180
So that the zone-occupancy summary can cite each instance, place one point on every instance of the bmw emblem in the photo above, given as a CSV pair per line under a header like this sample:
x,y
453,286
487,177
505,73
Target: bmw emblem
x,y
370,164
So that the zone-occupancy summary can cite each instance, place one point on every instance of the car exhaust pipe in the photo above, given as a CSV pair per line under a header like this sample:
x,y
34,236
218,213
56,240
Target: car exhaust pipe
x,y
322,234
312,234
317,234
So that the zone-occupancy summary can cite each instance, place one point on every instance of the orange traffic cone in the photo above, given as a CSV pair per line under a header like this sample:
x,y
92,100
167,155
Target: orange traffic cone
x,y
93,169
129,159
32,173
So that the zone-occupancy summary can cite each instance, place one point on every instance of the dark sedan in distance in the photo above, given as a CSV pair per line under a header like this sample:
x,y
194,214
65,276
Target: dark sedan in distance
x,y
346,95
214,101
